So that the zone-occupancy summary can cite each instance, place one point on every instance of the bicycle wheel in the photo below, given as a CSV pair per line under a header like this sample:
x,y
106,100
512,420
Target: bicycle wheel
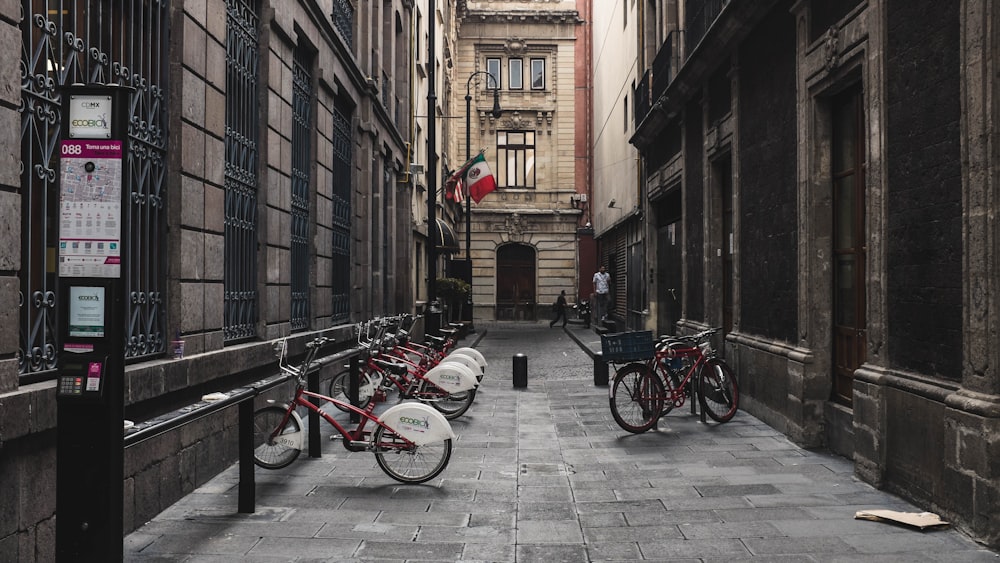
x,y
637,398
268,452
409,464
717,391
339,385
454,405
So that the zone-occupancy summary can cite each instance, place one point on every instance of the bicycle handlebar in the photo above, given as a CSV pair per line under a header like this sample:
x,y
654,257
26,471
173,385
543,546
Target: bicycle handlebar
x,y
692,338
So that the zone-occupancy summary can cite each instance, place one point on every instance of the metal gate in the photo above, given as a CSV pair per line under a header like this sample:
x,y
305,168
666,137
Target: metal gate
x,y
123,42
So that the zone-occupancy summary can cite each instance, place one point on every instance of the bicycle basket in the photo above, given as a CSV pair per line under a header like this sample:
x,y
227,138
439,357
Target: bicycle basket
x,y
627,346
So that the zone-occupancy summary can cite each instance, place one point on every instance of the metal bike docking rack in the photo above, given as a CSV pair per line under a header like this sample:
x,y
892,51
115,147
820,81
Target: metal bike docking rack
x,y
243,398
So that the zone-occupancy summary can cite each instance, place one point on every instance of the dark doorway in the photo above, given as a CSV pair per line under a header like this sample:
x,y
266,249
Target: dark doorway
x,y
635,295
516,297
722,170
668,262
849,236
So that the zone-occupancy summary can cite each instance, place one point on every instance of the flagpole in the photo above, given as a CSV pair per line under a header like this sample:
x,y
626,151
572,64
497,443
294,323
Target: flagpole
x,y
468,196
432,310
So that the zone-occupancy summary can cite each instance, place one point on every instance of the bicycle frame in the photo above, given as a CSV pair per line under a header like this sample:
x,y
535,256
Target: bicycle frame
x,y
354,440
675,390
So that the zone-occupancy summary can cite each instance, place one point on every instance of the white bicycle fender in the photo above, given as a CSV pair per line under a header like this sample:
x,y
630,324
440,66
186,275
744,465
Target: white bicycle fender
x,y
467,361
293,439
417,423
453,377
476,355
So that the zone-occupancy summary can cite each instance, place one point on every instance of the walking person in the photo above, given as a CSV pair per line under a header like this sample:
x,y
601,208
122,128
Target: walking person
x,y
602,285
559,308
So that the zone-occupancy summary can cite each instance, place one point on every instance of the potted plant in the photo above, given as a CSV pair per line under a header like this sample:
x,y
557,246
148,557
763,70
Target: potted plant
x,y
453,293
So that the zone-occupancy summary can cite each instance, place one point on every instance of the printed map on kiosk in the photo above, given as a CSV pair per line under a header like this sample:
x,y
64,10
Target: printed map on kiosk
x,y
90,209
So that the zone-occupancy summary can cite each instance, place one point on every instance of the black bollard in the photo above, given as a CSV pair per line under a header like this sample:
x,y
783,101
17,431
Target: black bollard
x,y
520,370
600,369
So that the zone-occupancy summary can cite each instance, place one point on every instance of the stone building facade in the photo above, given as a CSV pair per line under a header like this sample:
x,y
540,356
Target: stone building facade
x,y
818,179
617,203
269,200
524,235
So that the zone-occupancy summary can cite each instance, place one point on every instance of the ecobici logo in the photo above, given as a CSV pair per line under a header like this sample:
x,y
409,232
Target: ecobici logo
x,y
85,297
425,423
100,121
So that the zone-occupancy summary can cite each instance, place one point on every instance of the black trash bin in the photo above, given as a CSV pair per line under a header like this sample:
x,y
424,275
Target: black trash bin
x,y
520,370
600,369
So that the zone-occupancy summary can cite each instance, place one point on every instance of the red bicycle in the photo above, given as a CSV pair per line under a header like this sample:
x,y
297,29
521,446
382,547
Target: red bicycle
x,y
448,386
643,391
412,442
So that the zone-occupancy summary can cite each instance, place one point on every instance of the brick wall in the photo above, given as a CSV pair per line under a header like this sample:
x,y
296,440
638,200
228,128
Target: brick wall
x,y
924,274
768,237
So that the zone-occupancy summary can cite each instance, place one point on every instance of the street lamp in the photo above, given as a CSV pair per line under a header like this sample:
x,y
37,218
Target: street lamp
x,y
495,112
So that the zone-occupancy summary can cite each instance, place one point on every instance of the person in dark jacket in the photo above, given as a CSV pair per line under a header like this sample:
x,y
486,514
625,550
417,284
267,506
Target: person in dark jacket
x,y
559,308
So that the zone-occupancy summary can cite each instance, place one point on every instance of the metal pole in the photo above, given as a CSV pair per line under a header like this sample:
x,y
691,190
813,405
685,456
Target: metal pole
x,y
468,195
468,205
431,325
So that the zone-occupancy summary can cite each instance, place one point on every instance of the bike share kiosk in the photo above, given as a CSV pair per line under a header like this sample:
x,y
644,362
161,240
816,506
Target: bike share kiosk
x,y
93,208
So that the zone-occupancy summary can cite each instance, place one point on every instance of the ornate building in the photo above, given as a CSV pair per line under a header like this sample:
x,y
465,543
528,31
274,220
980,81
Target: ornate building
x,y
524,236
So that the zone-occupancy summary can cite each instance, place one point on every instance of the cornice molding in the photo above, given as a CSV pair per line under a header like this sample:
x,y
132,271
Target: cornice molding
x,y
525,16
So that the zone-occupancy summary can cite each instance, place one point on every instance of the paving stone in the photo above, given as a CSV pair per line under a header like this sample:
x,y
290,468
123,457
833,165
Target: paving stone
x,y
545,474
546,532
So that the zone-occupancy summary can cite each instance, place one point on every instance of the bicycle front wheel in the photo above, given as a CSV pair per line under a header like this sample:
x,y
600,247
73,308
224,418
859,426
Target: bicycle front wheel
x,y
339,386
269,450
717,391
637,397
454,405
409,464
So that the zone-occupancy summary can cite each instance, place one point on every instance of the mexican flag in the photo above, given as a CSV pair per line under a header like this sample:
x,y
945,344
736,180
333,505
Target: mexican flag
x,y
478,178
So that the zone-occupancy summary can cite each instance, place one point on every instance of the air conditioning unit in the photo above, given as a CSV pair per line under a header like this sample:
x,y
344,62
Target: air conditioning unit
x,y
416,168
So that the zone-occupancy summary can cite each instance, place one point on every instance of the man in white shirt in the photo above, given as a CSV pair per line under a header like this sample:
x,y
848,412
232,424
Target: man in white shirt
x,y
602,284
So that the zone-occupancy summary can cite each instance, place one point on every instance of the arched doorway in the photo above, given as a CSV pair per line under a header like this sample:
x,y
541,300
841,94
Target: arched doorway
x,y
516,295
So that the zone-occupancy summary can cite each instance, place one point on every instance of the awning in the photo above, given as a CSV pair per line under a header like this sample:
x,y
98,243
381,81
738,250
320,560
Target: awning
x,y
444,238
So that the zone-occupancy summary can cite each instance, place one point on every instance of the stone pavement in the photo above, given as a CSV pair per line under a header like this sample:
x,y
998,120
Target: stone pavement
x,y
543,473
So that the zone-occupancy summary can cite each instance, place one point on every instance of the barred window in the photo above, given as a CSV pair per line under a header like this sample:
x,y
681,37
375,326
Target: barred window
x,y
301,180
341,275
516,159
241,297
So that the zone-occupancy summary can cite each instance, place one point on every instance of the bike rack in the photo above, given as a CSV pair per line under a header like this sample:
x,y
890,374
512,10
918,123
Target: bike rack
x,y
243,397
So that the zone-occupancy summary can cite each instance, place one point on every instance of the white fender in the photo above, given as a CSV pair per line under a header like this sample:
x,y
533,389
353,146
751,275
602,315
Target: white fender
x,y
476,354
417,423
293,439
453,377
467,361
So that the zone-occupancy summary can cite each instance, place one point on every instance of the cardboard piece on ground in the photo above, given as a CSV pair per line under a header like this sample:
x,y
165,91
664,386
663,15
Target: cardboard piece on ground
x,y
921,520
